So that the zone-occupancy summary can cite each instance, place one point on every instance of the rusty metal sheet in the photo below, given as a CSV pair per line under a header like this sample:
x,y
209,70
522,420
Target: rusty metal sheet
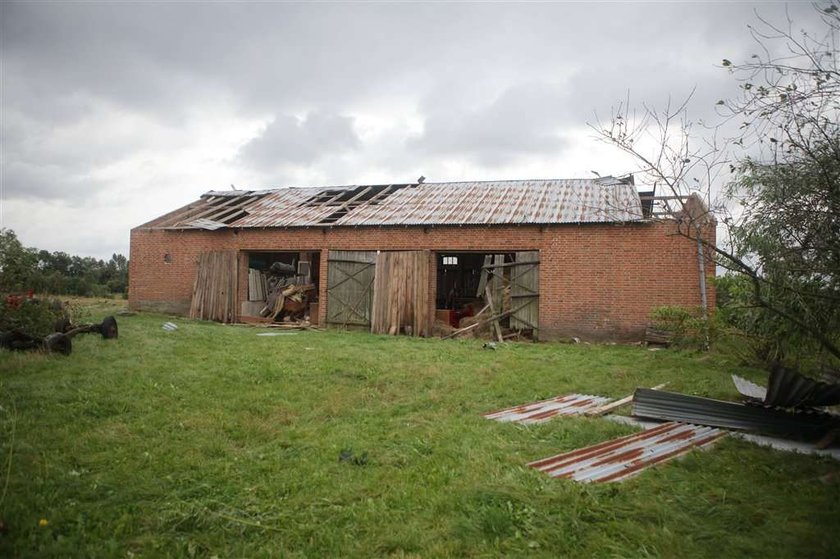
x,y
508,202
504,202
625,457
545,410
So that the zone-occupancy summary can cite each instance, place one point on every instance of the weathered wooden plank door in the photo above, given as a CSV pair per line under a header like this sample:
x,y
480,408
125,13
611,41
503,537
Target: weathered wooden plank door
x,y
401,302
350,275
215,289
525,290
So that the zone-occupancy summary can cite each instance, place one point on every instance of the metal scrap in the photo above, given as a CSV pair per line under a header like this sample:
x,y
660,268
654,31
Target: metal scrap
x,y
544,410
625,457
788,389
749,389
658,404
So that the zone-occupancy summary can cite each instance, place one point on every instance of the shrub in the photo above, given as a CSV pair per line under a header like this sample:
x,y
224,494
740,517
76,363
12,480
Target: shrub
x,y
688,326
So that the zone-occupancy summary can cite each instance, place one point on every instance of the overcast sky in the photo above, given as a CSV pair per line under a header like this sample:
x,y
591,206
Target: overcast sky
x,y
116,112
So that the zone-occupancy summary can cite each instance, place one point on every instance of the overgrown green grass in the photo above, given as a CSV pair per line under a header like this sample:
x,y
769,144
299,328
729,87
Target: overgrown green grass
x,y
213,441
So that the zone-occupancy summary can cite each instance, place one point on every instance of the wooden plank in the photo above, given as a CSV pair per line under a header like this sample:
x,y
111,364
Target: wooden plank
x,y
495,323
525,279
606,408
482,323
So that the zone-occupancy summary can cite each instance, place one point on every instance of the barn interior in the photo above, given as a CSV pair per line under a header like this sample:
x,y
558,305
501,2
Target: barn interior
x,y
283,286
463,279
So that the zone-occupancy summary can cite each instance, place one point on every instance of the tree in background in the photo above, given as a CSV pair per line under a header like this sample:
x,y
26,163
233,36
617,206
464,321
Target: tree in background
x,y
16,263
23,269
780,203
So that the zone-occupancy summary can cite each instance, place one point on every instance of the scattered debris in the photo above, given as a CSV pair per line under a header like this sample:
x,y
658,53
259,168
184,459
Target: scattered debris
x,y
624,457
787,445
655,336
606,408
277,334
169,327
540,412
788,389
347,455
107,328
59,341
749,389
669,406
776,443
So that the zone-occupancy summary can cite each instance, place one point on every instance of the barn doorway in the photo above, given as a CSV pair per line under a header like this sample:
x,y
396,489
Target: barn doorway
x,y
283,286
476,286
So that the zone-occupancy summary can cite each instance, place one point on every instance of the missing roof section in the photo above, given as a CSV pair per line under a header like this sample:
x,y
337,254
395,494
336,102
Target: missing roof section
x,y
215,210
346,200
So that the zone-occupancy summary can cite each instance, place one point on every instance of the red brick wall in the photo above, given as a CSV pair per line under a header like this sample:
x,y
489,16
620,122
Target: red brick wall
x,y
597,281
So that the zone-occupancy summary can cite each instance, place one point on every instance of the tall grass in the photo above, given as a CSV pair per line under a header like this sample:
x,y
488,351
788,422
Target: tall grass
x,y
213,441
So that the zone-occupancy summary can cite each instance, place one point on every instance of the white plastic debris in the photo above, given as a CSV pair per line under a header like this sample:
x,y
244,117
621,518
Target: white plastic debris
x,y
169,327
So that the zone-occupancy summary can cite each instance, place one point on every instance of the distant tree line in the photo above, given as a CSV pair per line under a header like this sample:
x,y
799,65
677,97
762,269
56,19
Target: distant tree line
x,y
58,273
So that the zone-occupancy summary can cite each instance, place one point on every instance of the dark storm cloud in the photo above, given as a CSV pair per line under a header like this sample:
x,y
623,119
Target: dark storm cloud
x,y
91,90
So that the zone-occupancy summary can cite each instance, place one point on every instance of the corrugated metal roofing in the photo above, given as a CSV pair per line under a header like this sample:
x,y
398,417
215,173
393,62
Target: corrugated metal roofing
x,y
544,410
658,404
749,389
789,389
621,458
508,202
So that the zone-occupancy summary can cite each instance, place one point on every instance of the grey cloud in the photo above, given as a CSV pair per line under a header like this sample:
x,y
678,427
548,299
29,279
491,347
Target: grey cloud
x,y
302,141
523,120
31,181
495,83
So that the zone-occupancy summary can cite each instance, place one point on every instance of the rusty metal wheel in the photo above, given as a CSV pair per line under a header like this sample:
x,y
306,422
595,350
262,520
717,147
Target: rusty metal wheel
x,y
108,328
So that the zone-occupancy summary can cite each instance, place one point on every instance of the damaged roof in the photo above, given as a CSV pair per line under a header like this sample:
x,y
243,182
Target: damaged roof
x,y
509,202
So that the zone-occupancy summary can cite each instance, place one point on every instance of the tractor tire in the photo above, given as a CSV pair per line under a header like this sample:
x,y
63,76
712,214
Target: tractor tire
x,y
108,328
58,343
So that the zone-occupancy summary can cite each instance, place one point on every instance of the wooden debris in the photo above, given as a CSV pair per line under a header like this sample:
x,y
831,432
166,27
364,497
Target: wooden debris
x,y
483,322
495,322
658,337
606,408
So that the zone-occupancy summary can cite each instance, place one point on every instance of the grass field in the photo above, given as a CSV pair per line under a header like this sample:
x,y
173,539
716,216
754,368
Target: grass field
x,y
211,441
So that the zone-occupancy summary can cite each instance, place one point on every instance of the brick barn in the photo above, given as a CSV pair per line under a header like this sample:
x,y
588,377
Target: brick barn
x,y
576,257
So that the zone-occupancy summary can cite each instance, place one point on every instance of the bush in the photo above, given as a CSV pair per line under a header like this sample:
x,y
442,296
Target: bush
x,y
34,317
687,326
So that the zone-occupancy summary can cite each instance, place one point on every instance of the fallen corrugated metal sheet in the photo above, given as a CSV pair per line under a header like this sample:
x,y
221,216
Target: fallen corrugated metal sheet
x,y
788,389
749,389
625,457
603,200
539,412
658,404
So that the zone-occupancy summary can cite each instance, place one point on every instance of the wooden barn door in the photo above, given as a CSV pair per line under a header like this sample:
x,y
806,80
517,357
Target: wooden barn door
x,y
350,277
525,292
215,288
401,302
